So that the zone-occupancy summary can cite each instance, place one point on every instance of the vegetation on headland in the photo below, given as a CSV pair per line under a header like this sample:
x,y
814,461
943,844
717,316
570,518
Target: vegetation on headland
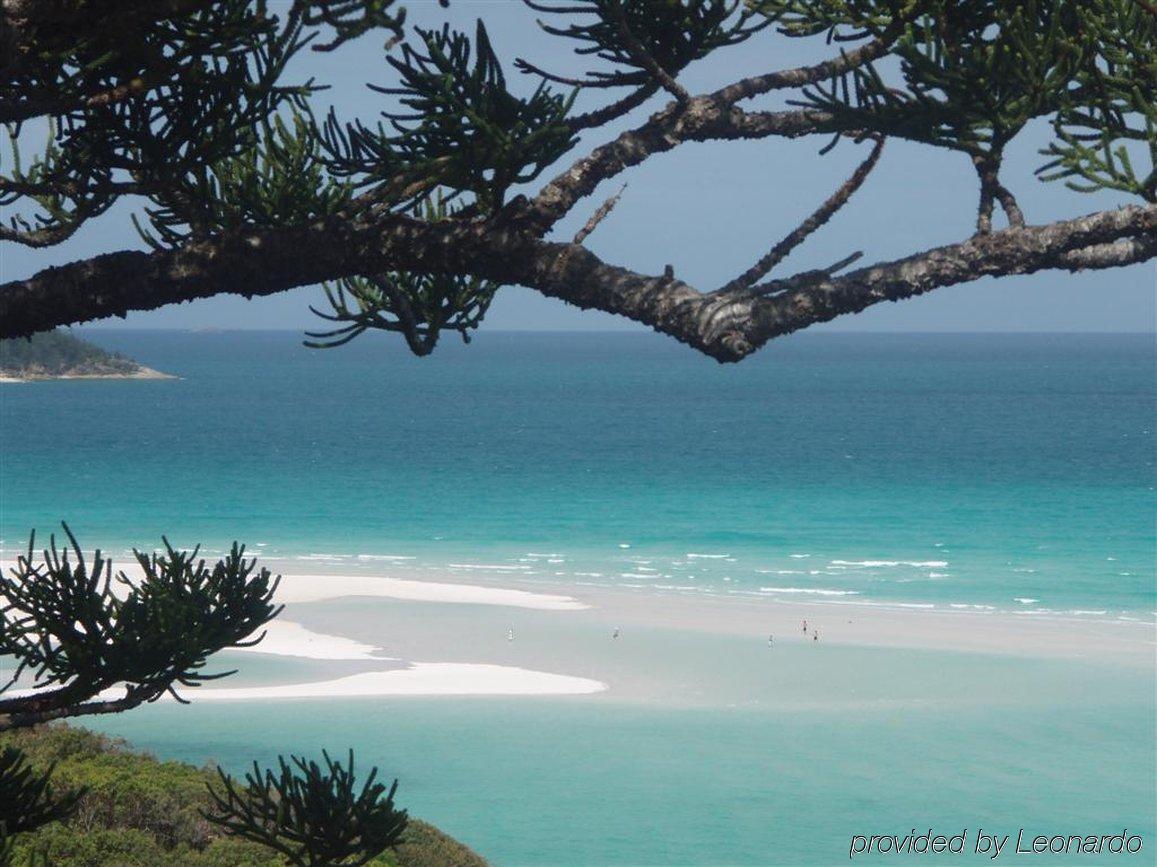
x,y
137,811
60,354
75,640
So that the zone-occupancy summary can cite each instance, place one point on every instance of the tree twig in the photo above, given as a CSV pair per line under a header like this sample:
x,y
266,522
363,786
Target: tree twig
x,y
817,219
801,76
598,216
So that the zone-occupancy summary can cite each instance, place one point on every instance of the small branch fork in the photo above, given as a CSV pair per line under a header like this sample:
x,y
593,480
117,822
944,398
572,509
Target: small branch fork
x,y
818,218
993,191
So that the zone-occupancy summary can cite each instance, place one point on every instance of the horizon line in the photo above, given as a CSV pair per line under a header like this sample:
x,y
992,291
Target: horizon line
x,y
214,329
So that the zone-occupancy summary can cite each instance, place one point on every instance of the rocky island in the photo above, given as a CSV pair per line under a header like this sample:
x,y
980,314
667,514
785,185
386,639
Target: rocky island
x,y
60,355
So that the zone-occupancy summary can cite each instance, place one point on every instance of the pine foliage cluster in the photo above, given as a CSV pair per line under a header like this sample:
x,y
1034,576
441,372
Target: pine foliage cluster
x,y
200,116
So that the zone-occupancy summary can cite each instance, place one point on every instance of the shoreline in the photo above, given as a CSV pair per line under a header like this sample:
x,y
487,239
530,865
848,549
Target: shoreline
x,y
920,626
502,584
501,589
498,577
441,638
142,373
925,626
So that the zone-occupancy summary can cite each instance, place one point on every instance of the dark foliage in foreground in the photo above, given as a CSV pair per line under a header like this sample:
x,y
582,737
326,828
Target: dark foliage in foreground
x,y
249,186
87,643
75,631
137,811
27,796
313,815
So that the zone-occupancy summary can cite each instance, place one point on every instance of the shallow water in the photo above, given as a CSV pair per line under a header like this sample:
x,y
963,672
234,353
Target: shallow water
x,y
707,749
580,782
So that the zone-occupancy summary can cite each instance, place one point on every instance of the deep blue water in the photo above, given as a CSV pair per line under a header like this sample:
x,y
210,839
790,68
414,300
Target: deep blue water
x,y
946,469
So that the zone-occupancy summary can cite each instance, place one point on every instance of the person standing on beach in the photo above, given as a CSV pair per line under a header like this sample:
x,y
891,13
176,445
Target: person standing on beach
x,y
815,635
615,634
510,634
770,639
805,626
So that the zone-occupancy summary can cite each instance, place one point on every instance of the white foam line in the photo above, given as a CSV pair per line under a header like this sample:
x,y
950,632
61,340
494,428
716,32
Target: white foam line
x,y
879,564
810,590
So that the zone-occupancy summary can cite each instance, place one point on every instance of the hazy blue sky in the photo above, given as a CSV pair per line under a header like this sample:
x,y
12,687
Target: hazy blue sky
x,y
711,209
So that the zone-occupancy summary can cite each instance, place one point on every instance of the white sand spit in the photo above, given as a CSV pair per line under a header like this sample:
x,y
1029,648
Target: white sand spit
x,y
422,678
314,588
317,588
286,638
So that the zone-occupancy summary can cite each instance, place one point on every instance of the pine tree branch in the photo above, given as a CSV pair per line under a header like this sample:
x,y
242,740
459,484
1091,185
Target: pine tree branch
x,y
703,118
802,76
598,216
22,717
726,326
605,115
1106,239
817,219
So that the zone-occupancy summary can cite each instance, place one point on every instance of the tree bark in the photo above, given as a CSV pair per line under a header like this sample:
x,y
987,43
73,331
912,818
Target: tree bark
x,y
727,326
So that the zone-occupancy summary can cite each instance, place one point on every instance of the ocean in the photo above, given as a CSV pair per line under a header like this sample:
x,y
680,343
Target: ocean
x,y
985,473
1002,472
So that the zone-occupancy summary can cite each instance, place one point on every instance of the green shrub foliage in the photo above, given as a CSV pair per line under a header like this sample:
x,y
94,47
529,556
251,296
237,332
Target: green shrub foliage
x,y
314,815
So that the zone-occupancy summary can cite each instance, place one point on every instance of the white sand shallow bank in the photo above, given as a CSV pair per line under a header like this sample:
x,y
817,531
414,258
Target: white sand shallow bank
x,y
418,679
421,678
286,638
316,588
296,587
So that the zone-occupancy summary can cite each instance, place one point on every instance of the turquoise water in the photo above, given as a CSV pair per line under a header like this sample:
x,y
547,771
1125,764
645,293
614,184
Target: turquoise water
x,y
549,782
947,470
968,470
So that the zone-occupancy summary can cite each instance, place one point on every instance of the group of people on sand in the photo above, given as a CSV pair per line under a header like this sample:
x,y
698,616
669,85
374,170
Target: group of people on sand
x,y
815,633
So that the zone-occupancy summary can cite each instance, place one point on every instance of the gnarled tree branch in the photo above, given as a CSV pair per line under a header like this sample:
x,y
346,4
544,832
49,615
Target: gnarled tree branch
x,y
727,326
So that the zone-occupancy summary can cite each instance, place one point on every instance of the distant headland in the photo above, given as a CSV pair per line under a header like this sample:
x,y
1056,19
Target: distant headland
x,y
60,355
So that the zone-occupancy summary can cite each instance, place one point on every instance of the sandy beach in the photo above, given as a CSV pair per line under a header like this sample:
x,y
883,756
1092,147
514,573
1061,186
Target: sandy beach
x,y
442,638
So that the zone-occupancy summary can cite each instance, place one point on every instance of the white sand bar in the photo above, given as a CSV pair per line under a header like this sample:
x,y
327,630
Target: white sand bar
x,y
314,588
286,638
422,678
317,588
